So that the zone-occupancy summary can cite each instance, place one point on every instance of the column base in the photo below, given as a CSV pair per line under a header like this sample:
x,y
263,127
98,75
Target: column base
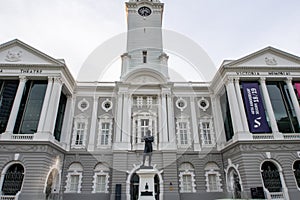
x,y
242,136
6,136
43,136
278,136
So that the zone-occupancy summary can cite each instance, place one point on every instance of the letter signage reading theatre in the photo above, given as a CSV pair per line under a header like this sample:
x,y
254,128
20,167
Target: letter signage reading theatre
x,y
254,108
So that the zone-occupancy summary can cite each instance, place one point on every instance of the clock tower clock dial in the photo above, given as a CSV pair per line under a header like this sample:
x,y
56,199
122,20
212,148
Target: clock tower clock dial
x,y
144,11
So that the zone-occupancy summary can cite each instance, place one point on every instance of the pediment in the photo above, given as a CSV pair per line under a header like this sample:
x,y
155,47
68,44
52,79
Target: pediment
x,y
16,52
268,57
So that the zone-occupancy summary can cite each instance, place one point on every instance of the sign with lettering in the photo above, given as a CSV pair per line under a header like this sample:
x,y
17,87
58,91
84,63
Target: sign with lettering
x,y
254,108
31,71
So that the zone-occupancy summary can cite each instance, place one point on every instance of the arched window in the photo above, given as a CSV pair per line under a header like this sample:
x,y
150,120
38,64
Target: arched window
x,y
13,180
74,178
101,179
271,177
187,178
296,168
213,180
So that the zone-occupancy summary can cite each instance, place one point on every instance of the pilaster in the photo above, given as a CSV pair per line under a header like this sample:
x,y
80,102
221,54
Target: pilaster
x,y
197,146
93,129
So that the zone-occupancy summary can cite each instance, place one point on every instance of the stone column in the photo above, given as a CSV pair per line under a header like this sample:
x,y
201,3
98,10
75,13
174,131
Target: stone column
x,y
197,146
269,108
234,107
15,108
241,105
53,106
44,110
293,97
94,125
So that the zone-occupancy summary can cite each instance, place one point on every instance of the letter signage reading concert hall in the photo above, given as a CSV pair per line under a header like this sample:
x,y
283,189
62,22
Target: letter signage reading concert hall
x,y
254,108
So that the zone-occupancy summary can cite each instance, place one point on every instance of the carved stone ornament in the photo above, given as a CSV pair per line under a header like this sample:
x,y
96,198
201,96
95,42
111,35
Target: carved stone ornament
x,y
203,104
270,61
145,79
13,56
83,105
107,105
181,104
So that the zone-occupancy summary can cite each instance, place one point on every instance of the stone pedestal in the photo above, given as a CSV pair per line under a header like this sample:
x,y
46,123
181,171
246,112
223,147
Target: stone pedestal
x,y
146,188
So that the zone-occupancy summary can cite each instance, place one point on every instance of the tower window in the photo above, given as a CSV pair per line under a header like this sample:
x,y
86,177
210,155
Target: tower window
x,y
144,56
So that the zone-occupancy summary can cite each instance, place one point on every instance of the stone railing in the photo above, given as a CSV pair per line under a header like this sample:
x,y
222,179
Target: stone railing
x,y
291,136
7,197
22,137
263,136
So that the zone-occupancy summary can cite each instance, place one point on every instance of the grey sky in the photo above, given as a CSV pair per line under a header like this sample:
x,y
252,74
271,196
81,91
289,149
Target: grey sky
x,y
225,29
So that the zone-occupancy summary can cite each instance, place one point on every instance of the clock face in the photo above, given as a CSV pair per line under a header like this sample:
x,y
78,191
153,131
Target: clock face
x,y
144,11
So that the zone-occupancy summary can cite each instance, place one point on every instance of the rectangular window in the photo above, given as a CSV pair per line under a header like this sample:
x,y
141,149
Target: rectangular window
x,y
101,183
144,56
183,132
30,108
74,182
226,116
80,133
60,116
8,90
206,133
105,133
144,127
283,108
187,183
212,181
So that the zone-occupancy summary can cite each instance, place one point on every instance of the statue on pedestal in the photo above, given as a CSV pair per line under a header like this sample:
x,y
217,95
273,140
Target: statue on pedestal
x,y
148,147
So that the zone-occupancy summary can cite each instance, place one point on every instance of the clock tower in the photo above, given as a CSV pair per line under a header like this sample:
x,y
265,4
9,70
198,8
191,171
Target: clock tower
x,y
144,39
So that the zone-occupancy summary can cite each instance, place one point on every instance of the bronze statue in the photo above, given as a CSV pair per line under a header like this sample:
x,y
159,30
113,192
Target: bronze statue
x,y
148,147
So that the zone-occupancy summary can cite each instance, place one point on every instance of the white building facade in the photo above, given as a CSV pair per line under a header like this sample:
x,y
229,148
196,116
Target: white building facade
x,y
236,136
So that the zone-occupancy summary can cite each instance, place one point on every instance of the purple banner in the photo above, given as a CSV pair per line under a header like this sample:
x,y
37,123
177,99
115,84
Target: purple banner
x,y
257,120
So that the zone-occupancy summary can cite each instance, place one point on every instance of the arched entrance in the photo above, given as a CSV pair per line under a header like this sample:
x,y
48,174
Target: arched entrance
x,y
234,183
134,187
13,180
52,184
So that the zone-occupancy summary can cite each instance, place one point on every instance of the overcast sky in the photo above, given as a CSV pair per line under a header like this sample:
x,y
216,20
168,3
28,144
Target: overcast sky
x,y
225,29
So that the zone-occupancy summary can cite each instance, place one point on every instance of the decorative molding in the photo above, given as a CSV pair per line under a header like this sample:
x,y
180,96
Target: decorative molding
x,y
107,105
181,104
83,105
270,61
203,104
14,56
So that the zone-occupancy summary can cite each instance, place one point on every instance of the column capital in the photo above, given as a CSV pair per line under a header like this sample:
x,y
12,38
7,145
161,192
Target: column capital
x,y
237,80
262,79
289,80
229,80
57,79
23,78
